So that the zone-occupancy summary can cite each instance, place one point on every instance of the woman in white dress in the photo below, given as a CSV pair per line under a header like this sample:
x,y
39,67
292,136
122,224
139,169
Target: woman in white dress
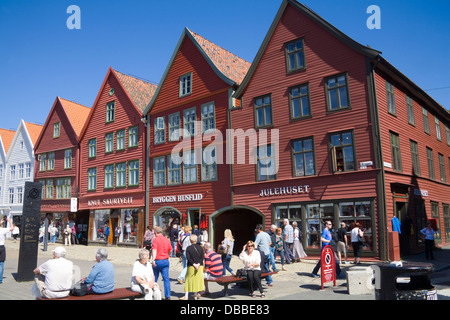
x,y
297,248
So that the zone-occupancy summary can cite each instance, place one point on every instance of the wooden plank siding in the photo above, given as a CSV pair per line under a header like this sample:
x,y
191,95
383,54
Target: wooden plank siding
x,y
126,116
206,87
437,191
325,56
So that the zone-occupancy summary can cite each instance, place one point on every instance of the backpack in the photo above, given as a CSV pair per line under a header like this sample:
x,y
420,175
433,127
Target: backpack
x,y
179,251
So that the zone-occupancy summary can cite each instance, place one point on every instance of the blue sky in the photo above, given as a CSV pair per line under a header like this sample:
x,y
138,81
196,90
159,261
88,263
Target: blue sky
x,y
40,58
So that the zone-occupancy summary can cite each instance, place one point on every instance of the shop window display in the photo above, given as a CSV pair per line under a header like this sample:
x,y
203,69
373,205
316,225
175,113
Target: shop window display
x,y
358,212
316,214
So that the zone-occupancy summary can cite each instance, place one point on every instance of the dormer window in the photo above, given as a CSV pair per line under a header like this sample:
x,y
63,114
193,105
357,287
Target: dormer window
x,y
56,129
295,56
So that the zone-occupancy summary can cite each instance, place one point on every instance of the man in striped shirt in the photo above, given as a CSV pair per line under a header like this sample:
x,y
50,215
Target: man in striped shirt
x,y
213,266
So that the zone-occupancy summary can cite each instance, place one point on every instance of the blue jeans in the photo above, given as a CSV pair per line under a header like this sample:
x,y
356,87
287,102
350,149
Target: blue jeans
x,y
173,254
53,239
272,257
281,253
226,259
1,271
163,267
183,272
268,278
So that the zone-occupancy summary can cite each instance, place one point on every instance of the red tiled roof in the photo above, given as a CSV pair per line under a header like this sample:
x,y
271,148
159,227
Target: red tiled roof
x,y
7,138
34,130
229,64
139,90
76,113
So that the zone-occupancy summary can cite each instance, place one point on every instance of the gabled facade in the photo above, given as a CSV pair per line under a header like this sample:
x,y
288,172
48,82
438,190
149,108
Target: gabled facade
x,y
57,160
189,180
112,160
6,138
319,95
18,168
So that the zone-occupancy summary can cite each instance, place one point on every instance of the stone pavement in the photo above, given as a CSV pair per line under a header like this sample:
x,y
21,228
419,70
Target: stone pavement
x,y
295,283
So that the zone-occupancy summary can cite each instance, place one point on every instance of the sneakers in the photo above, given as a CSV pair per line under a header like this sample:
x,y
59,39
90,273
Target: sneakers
x,y
314,275
180,281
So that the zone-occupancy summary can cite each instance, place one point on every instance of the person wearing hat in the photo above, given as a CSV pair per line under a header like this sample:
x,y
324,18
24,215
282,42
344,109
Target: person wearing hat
x,y
54,277
3,233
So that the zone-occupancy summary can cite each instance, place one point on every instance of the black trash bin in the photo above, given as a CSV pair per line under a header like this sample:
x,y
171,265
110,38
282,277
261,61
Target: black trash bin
x,y
409,281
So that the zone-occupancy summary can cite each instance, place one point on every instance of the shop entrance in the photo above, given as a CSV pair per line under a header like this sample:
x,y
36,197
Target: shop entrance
x,y
166,218
241,222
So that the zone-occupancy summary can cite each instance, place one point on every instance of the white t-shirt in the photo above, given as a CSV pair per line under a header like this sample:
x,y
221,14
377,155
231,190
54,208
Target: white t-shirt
x,y
355,233
255,257
58,277
144,271
3,233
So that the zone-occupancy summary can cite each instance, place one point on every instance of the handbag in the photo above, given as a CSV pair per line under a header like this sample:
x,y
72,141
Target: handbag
x,y
241,273
221,250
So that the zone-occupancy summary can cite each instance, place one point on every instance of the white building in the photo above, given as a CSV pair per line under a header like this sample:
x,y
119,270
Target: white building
x,y
16,167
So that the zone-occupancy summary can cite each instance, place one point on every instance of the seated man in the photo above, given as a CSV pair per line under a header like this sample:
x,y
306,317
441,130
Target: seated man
x,y
101,277
54,277
213,266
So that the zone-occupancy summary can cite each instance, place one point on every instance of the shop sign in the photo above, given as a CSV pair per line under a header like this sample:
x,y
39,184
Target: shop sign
x,y
73,204
284,191
328,265
179,198
421,193
110,202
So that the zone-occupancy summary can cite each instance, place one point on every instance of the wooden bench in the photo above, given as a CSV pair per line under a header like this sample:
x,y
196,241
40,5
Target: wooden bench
x,y
121,293
227,280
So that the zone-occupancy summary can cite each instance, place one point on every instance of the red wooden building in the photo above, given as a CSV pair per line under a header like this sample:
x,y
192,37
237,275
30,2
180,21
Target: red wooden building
x,y
189,115
321,99
57,163
112,147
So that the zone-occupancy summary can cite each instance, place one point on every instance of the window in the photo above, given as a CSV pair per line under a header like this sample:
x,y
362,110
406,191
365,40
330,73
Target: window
x,y
315,215
430,160
49,188
121,140
159,171
395,151
133,137
446,208
390,98
447,133
42,162
442,167
109,142
299,102
1,171
174,127
266,163
295,55
63,188
12,172
160,130
189,121
438,128
190,167
186,84
263,111
133,173
415,157
435,215
336,90
56,130
42,182
208,117
92,179
303,157
20,195
27,170
51,161
21,170
358,212
92,148
410,110
110,111
426,123
293,212
209,164
11,196
342,152
68,159
173,171
121,174
109,176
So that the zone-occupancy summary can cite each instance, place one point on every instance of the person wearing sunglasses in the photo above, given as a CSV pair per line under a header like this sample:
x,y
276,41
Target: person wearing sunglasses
x,y
252,263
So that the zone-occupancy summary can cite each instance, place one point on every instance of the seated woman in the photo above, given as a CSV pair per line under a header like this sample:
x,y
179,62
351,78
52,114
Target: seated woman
x,y
143,279
252,263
